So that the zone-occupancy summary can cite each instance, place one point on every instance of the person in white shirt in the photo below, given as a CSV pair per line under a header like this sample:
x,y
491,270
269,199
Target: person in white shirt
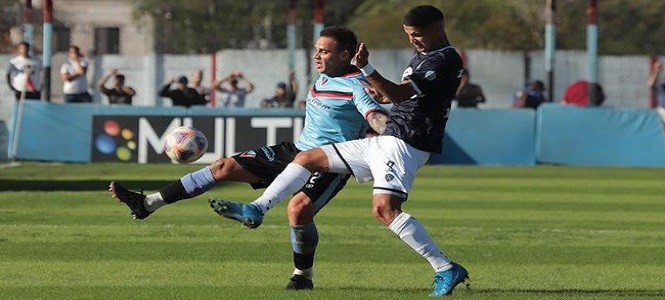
x,y
233,94
24,74
73,73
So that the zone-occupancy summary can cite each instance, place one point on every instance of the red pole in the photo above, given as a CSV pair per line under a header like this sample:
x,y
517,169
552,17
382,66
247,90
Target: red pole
x,y
213,79
318,18
653,98
291,12
317,28
27,25
28,11
592,51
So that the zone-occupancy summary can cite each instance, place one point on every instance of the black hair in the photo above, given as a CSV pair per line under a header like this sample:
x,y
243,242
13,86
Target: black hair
x,y
422,16
120,77
539,84
26,44
345,38
76,48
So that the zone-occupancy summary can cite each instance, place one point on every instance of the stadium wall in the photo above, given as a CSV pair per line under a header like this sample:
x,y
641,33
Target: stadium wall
x,y
600,136
489,137
553,135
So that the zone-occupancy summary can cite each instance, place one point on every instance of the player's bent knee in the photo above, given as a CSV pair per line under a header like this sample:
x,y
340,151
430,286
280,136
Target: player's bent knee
x,y
300,211
221,168
313,160
379,213
385,212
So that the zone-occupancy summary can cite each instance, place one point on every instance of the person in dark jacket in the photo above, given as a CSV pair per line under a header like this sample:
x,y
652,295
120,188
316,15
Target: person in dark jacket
x,y
182,95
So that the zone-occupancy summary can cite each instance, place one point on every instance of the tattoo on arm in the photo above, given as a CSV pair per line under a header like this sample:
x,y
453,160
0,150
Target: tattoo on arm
x,y
377,120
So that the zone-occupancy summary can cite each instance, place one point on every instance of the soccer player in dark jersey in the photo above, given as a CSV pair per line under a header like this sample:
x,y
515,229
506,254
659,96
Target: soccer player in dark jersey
x,y
421,103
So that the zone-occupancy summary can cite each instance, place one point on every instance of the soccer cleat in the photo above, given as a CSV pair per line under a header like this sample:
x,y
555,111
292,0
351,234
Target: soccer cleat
x,y
133,200
247,214
446,281
299,282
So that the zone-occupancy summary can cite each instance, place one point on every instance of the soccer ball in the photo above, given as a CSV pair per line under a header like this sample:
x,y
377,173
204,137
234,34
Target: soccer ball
x,y
185,144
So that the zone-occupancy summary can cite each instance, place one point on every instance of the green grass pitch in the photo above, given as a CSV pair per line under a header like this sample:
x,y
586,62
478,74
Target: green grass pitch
x,y
524,233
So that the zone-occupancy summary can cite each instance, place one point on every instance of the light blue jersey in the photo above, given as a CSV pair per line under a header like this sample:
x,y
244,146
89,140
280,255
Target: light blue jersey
x,y
336,110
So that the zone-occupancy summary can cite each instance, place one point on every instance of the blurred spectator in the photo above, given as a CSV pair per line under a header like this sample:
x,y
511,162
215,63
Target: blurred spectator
x,y
284,96
578,94
654,86
24,74
469,94
234,95
302,104
182,95
197,84
73,73
119,93
530,97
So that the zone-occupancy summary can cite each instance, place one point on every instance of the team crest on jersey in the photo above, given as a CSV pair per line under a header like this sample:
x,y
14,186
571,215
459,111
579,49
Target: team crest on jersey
x,y
389,177
249,154
390,168
430,75
407,72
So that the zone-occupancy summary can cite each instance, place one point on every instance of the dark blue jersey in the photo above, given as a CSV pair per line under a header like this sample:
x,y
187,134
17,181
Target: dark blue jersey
x,y
421,120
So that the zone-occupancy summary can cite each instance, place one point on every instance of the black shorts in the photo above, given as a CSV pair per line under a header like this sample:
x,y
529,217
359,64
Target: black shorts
x,y
268,162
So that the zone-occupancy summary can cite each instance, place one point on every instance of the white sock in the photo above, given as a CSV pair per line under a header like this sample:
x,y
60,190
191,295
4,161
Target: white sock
x,y
307,273
414,234
154,201
292,179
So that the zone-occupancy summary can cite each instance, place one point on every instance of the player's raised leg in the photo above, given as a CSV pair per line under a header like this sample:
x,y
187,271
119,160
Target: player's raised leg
x,y
189,186
288,182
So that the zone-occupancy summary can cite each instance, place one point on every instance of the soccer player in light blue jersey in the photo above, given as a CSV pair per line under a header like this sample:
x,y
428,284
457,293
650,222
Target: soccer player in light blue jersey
x,y
338,109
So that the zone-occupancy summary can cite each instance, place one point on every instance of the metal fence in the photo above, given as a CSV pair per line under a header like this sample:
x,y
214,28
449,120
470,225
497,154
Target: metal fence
x,y
499,73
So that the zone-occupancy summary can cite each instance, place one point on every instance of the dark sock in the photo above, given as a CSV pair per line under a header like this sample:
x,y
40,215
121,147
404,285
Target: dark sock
x,y
174,192
303,261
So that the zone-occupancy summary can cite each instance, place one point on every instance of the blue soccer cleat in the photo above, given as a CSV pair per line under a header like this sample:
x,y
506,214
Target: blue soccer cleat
x,y
446,281
247,214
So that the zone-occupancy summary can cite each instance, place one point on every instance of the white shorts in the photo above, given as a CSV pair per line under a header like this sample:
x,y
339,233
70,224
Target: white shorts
x,y
389,161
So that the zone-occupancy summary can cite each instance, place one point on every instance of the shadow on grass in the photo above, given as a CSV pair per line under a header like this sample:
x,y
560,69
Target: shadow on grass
x,y
77,185
535,292
573,292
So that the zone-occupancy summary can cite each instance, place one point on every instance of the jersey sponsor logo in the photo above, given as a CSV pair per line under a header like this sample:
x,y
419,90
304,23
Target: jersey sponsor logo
x,y
430,75
407,72
317,102
269,153
249,154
